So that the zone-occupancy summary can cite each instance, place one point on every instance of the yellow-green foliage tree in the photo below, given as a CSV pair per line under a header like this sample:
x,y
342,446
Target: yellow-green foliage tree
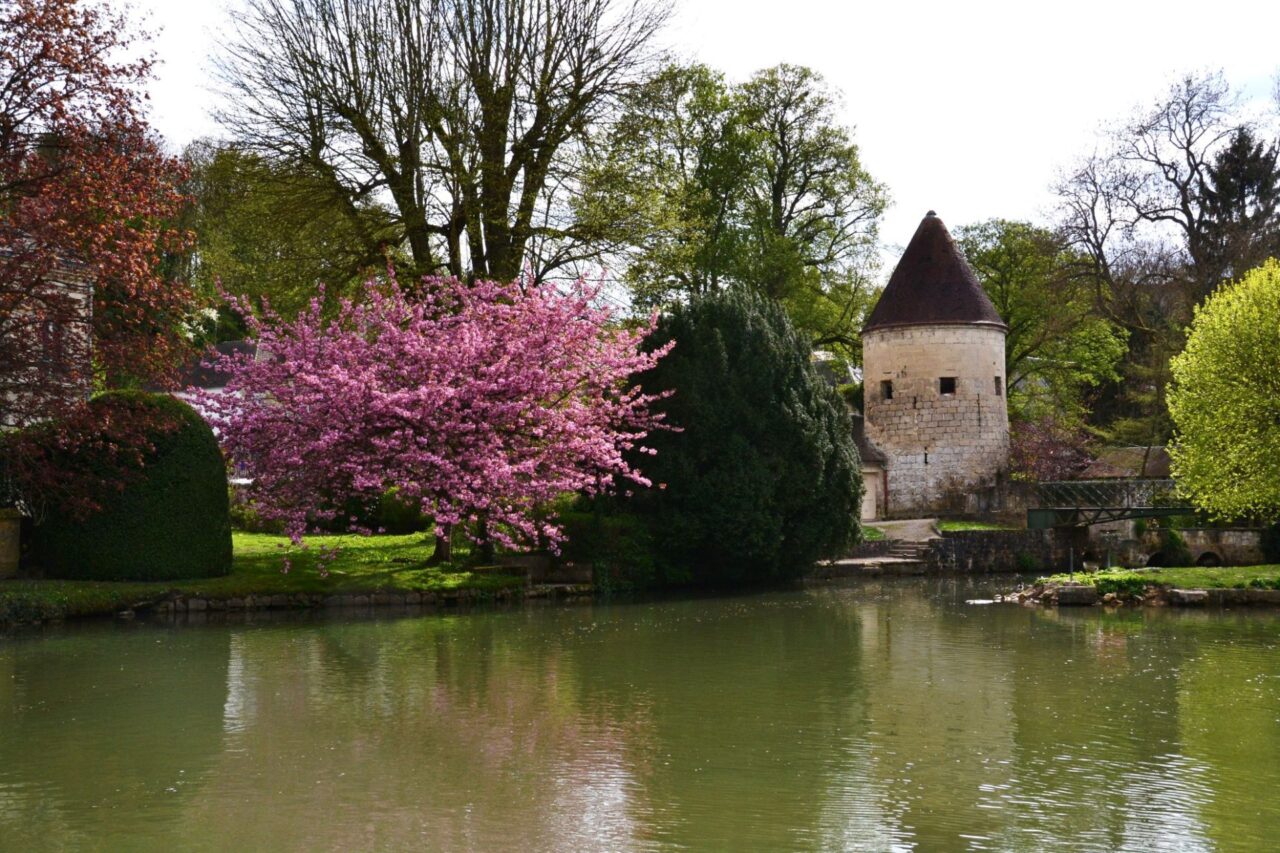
x,y
1225,400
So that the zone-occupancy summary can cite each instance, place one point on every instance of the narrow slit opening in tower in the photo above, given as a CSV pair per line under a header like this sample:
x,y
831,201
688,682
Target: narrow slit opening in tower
x,y
886,389
999,387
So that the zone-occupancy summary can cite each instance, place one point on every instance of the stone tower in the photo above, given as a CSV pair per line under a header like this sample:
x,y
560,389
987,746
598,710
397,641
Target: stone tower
x,y
934,383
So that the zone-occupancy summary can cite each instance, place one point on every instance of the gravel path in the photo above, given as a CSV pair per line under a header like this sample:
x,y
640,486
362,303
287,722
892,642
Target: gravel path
x,y
910,530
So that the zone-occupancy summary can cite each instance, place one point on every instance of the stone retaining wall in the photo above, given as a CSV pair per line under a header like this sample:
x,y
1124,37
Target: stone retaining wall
x,y
879,548
1209,546
199,604
993,551
1224,547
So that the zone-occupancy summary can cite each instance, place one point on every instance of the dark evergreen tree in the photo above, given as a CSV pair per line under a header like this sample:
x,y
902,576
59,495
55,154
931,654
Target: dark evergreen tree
x,y
763,478
1242,205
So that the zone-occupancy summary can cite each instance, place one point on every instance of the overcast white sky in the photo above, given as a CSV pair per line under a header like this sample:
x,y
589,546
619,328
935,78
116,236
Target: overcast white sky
x,y
969,108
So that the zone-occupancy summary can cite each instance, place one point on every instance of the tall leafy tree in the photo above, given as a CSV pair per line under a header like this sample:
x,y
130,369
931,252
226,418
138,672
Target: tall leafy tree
x,y
1059,349
667,185
88,201
266,230
466,116
1242,203
1225,400
756,186
812,210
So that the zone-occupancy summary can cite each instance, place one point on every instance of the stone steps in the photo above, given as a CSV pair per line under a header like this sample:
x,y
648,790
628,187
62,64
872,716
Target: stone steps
x,y
900,557
904,550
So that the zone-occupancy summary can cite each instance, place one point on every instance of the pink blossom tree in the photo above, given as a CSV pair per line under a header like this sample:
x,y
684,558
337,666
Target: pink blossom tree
x,y
481,402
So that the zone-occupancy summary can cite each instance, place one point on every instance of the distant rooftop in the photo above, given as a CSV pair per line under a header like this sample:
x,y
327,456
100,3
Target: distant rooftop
x,y
932,285
867,451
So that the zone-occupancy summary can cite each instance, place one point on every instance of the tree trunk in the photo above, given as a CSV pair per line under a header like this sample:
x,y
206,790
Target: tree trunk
x,y
486,544
444,547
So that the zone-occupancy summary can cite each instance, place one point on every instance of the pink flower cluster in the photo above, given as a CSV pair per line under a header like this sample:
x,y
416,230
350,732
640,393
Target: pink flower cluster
x,y
479,401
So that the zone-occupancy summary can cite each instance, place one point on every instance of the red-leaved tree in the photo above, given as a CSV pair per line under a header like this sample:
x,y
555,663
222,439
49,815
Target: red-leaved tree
x,y
87,202
480,402
1047,449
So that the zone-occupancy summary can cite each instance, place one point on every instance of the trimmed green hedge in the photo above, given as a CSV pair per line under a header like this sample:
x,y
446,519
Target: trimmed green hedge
x,y
170,521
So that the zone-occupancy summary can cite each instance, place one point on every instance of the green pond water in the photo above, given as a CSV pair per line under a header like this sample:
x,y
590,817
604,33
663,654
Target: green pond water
x,y
875,716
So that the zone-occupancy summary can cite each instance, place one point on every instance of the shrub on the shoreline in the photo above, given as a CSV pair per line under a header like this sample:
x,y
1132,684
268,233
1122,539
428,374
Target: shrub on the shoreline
x,y
763,478
170,521
619,548
1122,583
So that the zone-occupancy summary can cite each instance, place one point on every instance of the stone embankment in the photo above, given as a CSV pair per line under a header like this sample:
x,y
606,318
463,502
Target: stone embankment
x,y
926,551
543,581
176,606
302,601
1087,595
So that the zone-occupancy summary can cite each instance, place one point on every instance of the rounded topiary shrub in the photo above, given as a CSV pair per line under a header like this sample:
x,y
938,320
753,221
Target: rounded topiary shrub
x,y
763,478
168,517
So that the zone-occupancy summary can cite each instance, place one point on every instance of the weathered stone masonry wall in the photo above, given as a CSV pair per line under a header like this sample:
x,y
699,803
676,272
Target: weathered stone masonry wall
x,y
992,551
878,548
938,444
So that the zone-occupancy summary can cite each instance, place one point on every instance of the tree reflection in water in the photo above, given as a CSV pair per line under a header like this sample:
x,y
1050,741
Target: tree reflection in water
x,y
864,717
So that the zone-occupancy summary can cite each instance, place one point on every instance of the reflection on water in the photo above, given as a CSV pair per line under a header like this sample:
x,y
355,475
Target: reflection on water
x,y
866,717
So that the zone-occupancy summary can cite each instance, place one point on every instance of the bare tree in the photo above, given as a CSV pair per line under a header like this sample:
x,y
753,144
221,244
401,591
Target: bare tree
x,y
1138,211
1128,274
461,115
1166,158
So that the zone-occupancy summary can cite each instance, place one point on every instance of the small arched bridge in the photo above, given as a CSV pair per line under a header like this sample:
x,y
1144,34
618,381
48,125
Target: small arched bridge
x,y
1080,503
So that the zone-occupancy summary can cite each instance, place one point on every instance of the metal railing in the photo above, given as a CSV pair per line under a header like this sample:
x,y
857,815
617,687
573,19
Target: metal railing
x,y
1079,503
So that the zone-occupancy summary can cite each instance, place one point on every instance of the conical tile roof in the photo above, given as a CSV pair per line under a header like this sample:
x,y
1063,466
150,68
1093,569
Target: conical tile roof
x,y
932,285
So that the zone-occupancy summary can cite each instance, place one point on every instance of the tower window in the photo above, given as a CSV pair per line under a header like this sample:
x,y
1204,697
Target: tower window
x,y
999,387
947,385
886,389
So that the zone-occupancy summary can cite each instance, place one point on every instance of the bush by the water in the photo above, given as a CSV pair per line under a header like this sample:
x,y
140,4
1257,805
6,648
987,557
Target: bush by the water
x,y
170,519
1173,551
617,546
763,478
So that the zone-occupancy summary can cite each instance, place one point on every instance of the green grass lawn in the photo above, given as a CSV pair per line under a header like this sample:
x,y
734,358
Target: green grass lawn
x,y
872,534
946,525
364,564
1193,577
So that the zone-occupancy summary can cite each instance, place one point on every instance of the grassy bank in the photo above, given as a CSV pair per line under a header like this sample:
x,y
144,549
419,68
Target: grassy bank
x,y
1193,577
363,565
